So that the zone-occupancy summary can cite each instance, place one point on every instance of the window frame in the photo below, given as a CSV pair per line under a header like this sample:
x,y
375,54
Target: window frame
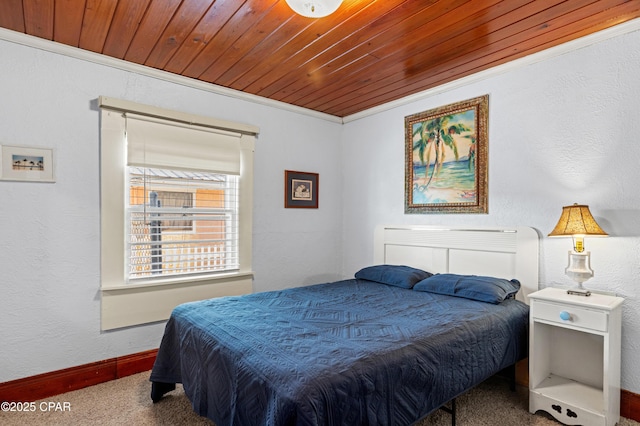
x,y
126,304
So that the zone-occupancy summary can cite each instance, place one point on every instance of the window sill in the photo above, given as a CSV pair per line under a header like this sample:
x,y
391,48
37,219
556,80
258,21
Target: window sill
x,y
193,280
130,305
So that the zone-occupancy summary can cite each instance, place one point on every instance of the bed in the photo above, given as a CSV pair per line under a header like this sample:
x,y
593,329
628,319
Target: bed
x,y
387,346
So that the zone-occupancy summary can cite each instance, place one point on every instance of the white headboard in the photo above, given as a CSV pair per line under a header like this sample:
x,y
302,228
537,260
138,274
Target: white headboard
x,y
498,252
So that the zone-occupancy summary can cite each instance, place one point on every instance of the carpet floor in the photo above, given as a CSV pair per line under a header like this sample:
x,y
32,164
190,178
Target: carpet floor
x,y
127,402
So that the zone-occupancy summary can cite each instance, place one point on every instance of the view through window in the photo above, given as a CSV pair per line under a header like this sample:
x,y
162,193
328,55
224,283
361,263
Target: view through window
x,y
181,223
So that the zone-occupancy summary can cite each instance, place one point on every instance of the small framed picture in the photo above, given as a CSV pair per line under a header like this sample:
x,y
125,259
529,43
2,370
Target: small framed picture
x,y
300,190
22,163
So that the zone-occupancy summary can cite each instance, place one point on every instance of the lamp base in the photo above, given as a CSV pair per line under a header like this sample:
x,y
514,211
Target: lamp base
x,y
579,292
579,267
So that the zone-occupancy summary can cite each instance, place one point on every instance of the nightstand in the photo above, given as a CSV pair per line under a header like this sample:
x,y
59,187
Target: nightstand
x,y
574,356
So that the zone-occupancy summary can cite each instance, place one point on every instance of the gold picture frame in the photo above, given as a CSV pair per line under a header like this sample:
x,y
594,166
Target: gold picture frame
x,y
446,158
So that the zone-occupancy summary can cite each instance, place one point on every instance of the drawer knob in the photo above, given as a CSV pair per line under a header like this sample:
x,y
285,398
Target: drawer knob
x,y
565,316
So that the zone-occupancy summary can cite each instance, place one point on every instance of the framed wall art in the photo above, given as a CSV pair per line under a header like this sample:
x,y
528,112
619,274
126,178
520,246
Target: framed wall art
x,y
300,190
20,163
446,158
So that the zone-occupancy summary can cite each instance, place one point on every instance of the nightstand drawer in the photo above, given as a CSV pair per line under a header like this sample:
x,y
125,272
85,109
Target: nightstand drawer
x,y
570,315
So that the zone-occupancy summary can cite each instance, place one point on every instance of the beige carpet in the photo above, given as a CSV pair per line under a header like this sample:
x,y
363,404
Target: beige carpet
x,y
126,402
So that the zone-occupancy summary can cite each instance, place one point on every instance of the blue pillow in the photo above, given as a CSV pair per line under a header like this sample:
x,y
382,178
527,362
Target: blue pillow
x,y
395,275
475,287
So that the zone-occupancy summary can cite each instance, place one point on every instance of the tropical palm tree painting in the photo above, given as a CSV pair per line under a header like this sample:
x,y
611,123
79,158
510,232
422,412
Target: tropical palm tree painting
x,y
445,159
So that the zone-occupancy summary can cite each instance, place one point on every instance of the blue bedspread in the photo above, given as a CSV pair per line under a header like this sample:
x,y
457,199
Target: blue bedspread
x,y
345,353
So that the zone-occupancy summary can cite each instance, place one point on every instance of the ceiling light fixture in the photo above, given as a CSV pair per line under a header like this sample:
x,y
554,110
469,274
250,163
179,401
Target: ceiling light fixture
x,y
314,8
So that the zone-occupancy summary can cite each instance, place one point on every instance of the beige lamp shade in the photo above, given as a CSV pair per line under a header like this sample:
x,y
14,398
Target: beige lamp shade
x,y
576,220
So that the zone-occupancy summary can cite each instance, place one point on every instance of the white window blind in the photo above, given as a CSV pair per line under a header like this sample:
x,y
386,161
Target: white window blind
x,y
181,223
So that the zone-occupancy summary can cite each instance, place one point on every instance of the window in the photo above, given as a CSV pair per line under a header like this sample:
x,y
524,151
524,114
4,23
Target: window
x,y
176,210
180,223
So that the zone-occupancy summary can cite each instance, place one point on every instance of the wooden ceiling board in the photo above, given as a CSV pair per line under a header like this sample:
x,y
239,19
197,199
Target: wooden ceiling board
x,y
211,23
246,17
182,23
279,48
155,20
67,21
269,23
98,15
126,21
38,18
12,15
252,56
367,53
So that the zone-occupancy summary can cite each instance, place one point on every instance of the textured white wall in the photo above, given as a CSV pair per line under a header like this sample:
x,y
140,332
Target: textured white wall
x,y
562,130
49,233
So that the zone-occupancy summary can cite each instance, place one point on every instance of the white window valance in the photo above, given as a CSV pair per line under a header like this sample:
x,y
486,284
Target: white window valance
x,y
157,143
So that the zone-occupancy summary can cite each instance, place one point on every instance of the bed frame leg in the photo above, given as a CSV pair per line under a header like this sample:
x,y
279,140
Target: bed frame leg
x,y
511,371
451,411
158,389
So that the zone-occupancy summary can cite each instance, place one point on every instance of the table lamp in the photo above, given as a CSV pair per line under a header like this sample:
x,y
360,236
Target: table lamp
x,y
577,222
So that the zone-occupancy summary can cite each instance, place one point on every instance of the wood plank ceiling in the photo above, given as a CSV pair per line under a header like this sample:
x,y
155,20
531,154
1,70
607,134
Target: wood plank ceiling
x,y
367,53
